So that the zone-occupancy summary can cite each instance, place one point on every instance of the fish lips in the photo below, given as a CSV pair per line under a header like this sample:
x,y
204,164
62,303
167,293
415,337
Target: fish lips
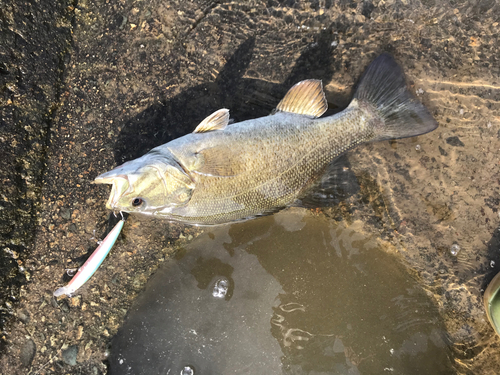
x,y
119,185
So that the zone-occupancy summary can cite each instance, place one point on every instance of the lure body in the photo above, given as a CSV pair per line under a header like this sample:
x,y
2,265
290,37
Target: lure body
x,y
92,264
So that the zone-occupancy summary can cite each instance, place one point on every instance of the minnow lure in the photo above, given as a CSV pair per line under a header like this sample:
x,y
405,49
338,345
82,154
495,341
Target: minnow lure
x,y
92,264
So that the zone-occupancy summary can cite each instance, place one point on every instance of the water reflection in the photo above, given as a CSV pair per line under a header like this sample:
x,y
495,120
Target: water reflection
x,y
287,294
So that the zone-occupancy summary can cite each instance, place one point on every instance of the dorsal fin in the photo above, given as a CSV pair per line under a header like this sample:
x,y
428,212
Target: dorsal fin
x,y
216,121
305,98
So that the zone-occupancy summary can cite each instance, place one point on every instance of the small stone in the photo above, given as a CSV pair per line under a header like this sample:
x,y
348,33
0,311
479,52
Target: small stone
x,y
53,302
454,141
27,354
80,332
24,317
64,306
69,355
66,214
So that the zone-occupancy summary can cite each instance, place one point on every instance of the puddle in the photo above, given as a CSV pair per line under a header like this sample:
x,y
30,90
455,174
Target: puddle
x,y
291,293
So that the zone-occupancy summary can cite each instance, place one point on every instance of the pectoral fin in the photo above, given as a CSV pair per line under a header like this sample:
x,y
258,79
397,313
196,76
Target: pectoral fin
x,y
218,161
216,121
305,98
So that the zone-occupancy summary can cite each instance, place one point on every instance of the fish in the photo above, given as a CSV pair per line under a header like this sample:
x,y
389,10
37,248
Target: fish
x,y
88,269
225,172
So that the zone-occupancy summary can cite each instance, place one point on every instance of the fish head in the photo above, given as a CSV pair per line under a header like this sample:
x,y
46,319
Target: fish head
x,y
147,188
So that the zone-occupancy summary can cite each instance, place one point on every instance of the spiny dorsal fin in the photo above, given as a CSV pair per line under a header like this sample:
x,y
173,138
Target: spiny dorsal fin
x,y
216,121
305,98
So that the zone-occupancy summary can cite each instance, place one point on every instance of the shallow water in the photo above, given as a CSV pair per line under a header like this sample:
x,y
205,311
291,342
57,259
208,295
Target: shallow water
x,y
292,293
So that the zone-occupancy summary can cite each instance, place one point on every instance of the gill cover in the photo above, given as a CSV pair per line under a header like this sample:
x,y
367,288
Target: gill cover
x,y
147,184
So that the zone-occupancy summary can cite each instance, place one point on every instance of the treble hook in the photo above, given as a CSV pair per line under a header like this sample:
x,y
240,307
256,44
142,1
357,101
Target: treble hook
x,y
121,214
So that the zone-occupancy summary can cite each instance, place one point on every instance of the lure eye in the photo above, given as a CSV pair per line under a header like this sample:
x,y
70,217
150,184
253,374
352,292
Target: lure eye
x,y
137,202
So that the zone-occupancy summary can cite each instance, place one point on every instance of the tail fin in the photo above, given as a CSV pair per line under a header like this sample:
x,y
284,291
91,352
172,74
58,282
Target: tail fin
x,y
384,90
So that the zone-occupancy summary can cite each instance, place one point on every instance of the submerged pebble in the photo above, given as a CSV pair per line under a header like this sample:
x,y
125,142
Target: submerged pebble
x,y
187,370
220,288
70,354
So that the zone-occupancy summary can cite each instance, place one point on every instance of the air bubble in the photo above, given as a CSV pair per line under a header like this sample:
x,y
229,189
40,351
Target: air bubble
x,y
220,288
187,370
417,147
454,249
492,264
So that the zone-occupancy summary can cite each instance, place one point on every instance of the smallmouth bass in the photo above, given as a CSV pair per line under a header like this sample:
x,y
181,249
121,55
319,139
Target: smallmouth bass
x,y
222,173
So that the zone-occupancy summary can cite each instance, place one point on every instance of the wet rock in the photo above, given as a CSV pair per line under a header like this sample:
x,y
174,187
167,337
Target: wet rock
x,y
454,141
27,354
69,355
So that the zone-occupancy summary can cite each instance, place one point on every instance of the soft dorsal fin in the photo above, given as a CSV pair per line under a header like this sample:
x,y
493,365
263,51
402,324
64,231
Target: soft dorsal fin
x,y
305,98
216,121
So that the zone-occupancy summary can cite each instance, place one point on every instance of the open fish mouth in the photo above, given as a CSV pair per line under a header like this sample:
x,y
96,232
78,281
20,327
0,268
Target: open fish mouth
x,y
119,186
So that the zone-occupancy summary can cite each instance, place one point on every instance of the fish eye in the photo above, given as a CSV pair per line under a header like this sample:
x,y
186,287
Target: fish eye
x,y
137,202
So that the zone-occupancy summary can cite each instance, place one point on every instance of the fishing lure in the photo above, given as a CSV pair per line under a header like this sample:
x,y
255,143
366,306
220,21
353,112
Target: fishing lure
x,y
92,264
